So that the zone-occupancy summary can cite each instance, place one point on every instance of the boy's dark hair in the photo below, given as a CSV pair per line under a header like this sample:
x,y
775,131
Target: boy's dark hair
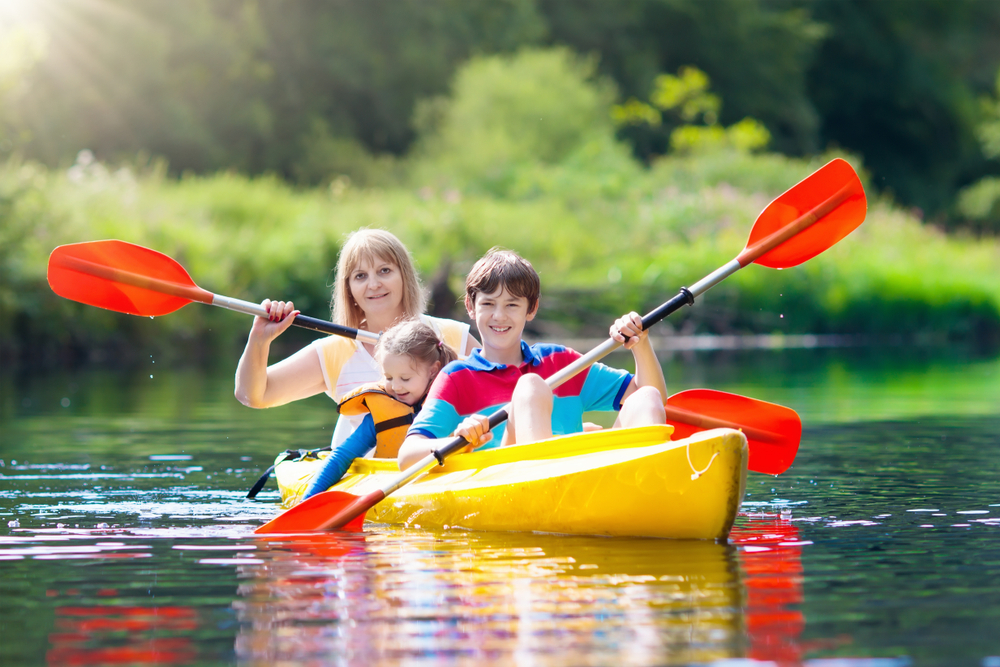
x,y
502,268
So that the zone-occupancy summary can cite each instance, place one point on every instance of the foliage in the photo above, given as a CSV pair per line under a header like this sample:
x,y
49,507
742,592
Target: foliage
x,y
897,82
604,231
314,91
598,249
686,96
537,107
978,205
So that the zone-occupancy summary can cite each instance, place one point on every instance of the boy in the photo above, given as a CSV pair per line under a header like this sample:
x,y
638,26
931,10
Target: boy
x,y
501,296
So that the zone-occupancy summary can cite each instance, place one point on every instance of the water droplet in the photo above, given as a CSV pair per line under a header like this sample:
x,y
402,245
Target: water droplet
x,y
150,376
64,402
782,316
150,317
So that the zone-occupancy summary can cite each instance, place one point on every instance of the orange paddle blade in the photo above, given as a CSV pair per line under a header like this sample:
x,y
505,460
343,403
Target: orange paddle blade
x,y
773,431
123,277
313,513
807,219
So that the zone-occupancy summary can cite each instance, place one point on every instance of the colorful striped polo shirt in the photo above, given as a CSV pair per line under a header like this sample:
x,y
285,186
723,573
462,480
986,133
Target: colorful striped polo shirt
x,y
476,385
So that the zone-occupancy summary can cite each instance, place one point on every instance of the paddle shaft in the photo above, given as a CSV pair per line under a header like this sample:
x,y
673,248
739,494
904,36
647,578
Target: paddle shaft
x,y
195,293
684,297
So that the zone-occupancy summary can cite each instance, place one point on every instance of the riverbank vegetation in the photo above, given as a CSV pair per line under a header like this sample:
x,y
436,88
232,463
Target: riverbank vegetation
x,y
606,232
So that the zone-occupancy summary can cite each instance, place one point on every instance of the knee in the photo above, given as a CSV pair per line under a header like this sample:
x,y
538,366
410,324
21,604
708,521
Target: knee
x,y
647,403
532,388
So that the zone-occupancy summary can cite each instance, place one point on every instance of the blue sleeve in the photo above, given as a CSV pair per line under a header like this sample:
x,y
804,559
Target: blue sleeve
x,y
357,444
437,419
604,388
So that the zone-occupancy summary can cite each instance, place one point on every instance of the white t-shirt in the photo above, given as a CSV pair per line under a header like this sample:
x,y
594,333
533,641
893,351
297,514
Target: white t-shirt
x,y
347,365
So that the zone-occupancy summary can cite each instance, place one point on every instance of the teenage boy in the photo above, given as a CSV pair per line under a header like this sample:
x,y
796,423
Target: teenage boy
x,y
501,296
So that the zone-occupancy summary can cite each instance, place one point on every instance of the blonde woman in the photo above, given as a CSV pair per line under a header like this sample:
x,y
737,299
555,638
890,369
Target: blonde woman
x,y
376,286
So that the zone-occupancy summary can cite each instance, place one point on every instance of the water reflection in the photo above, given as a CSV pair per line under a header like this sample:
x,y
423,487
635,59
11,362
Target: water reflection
x,y
122,635
419,596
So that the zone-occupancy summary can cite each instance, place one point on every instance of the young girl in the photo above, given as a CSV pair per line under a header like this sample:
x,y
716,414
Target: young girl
x,y
410,355
376,285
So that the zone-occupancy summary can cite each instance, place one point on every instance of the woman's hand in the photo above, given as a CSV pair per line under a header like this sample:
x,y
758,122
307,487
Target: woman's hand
x,y
281,314
628,330
475,429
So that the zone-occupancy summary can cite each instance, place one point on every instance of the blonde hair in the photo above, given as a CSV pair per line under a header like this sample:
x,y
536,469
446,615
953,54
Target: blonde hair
x,y
372,245
417,341
500,268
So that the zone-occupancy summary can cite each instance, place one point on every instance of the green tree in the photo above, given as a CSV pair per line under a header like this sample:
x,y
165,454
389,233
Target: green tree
x,y
504,112
897,81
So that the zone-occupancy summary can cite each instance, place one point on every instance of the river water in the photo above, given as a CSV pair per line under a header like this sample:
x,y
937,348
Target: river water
x,y
125,537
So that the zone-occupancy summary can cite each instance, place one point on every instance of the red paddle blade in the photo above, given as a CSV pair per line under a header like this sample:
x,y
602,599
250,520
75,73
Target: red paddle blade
x,y
313,513
773,431
813,215
123,277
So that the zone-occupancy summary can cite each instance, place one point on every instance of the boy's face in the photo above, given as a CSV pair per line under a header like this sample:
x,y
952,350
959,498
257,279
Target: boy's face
x,y
500,318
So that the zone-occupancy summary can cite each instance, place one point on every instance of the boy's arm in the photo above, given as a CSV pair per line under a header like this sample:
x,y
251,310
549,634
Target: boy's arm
x,y
628,330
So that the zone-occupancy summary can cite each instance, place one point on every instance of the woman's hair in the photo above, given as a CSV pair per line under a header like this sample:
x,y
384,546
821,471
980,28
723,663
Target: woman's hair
x,y
373,245
416,340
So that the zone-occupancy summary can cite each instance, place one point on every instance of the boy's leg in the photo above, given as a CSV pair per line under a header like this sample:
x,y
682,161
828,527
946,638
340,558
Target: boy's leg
x,y
530,417
642,408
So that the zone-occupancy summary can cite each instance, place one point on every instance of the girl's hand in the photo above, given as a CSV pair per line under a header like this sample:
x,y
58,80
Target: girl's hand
x,y
475,429
281,314
628,330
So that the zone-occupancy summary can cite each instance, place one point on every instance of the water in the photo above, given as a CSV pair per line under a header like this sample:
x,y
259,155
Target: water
x,y
125,537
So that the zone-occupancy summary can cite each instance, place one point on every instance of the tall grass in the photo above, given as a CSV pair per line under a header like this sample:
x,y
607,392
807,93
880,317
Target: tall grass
x,y
603,243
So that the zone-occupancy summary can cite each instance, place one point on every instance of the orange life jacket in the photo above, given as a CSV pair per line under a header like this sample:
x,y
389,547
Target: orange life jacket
x,y
392,417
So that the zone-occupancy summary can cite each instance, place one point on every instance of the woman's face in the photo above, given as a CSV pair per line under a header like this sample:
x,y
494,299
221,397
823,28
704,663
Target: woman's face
x,y
377,288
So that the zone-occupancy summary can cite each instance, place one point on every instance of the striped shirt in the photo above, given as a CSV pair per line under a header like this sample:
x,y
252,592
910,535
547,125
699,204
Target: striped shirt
x,y
478,386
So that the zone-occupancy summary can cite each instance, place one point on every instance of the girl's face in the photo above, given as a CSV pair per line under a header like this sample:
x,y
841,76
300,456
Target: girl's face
x,y
377,288
407,379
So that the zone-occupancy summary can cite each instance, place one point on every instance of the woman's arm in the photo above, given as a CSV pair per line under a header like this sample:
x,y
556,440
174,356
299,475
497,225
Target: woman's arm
x,y
261,386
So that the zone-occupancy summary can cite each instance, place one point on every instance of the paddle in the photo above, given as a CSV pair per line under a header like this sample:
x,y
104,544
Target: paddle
x,y
772,431
800,224
129,278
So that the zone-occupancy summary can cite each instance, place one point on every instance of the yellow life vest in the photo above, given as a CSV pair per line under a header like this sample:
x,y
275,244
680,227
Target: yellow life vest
x,y
392,418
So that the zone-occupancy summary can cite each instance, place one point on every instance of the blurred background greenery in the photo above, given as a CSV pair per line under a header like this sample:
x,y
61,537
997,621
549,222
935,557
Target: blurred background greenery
x,y
624,147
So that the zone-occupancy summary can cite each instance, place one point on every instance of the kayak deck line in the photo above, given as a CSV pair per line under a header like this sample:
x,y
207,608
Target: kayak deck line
x,y
634,482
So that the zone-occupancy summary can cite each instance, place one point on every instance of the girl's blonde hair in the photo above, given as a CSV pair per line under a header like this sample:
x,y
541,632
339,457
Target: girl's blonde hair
x,y
372,245
417,341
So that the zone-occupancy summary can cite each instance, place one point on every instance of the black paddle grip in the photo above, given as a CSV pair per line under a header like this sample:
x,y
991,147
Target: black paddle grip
x,y
683,298
497,418
323,326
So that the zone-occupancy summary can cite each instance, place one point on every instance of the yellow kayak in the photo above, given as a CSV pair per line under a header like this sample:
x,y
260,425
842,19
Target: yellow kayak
x,y
633,482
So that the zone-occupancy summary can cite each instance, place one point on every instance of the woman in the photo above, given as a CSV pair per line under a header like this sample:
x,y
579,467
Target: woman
x,y
376,285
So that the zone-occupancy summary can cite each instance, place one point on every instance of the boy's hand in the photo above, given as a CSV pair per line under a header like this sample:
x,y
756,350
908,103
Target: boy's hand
x,y
628,330
475,429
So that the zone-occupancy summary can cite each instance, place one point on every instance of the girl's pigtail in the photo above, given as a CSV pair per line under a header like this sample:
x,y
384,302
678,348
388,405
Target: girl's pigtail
x,y
446,354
